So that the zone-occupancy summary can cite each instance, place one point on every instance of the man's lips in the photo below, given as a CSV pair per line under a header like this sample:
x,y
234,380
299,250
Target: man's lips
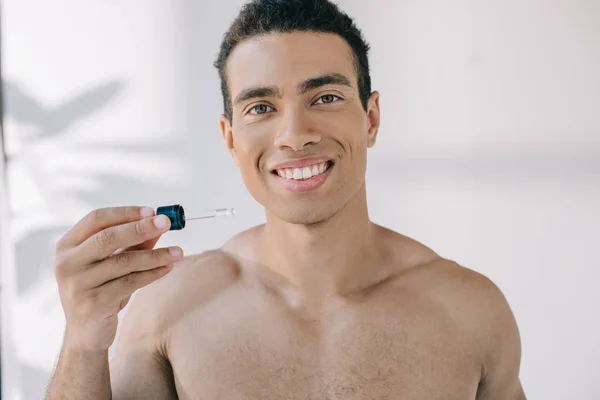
x,y
304,179
300,163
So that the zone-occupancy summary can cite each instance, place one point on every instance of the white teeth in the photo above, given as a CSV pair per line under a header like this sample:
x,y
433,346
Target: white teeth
x,y
306,172
302,173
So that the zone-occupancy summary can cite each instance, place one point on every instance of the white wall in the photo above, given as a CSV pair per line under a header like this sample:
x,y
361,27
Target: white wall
x,y
10,375
489,150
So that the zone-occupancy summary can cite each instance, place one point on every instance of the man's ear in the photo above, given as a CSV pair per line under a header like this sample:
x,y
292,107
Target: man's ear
x,y
228,137
373,114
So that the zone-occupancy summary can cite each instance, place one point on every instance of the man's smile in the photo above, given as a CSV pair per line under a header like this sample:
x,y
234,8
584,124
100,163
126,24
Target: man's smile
x,y
303,175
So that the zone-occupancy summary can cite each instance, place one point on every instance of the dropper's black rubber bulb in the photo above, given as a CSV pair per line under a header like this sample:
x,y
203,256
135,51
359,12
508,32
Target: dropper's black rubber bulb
x,y
175,213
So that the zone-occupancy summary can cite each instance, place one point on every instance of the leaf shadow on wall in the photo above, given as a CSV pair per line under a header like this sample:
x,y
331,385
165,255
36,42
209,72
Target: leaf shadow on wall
x,y
34,251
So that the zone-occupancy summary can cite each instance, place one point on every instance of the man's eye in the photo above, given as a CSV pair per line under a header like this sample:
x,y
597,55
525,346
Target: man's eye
x,y
260,109
326,99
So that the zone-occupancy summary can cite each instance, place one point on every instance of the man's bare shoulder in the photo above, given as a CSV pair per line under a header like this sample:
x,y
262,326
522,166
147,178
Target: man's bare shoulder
x,y
447,275
193,282
456,286
471,300
469,304
202,274
418,266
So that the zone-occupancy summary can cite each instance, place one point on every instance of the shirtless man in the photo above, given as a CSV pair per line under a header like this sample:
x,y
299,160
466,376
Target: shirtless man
x,y
319,302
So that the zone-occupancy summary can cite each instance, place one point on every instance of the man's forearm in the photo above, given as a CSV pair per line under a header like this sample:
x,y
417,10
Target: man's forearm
x,y
80,375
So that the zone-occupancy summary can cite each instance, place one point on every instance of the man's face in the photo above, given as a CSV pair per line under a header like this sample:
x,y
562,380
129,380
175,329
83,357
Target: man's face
x,y
299,133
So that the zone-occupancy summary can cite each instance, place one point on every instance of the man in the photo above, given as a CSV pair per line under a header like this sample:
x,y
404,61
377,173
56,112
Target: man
x,y
319,302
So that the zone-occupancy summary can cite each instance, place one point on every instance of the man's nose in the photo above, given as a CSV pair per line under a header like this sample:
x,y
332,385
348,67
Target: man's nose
x,y
296,132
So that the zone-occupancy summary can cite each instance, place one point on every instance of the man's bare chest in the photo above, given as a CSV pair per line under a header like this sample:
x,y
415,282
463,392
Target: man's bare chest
x,y
259,350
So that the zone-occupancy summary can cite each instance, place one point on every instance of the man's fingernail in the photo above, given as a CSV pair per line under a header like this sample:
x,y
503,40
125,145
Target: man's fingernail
x,y
146,212
160,221
175,251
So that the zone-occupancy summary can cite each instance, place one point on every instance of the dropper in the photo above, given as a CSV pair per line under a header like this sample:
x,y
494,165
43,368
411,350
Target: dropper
x,y
217,212
178,218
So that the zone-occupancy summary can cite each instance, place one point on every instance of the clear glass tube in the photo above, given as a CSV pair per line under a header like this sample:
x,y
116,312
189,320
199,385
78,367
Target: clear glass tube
x,y
218,212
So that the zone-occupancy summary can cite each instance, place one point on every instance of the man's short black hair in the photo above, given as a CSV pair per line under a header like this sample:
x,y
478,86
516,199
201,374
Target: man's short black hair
x,y
261,17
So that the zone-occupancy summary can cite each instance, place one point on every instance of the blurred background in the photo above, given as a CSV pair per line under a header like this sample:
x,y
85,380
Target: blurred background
x,y
489,152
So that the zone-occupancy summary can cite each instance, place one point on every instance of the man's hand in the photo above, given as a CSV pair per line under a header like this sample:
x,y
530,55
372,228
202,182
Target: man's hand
x,y
100,263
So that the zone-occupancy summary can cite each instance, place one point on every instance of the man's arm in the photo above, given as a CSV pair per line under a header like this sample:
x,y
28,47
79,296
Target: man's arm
x,y
100,262
80,375
502,346
139,368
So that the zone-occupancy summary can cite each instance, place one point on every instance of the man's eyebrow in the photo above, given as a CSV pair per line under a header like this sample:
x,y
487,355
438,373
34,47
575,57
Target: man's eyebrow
x,y
303,87
327,79
256,91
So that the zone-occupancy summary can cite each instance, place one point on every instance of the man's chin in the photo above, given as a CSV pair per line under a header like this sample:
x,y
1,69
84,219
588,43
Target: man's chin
x,y
304,217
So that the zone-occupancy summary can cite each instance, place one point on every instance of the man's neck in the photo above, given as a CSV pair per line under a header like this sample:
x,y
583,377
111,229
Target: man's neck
x,y
327,258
